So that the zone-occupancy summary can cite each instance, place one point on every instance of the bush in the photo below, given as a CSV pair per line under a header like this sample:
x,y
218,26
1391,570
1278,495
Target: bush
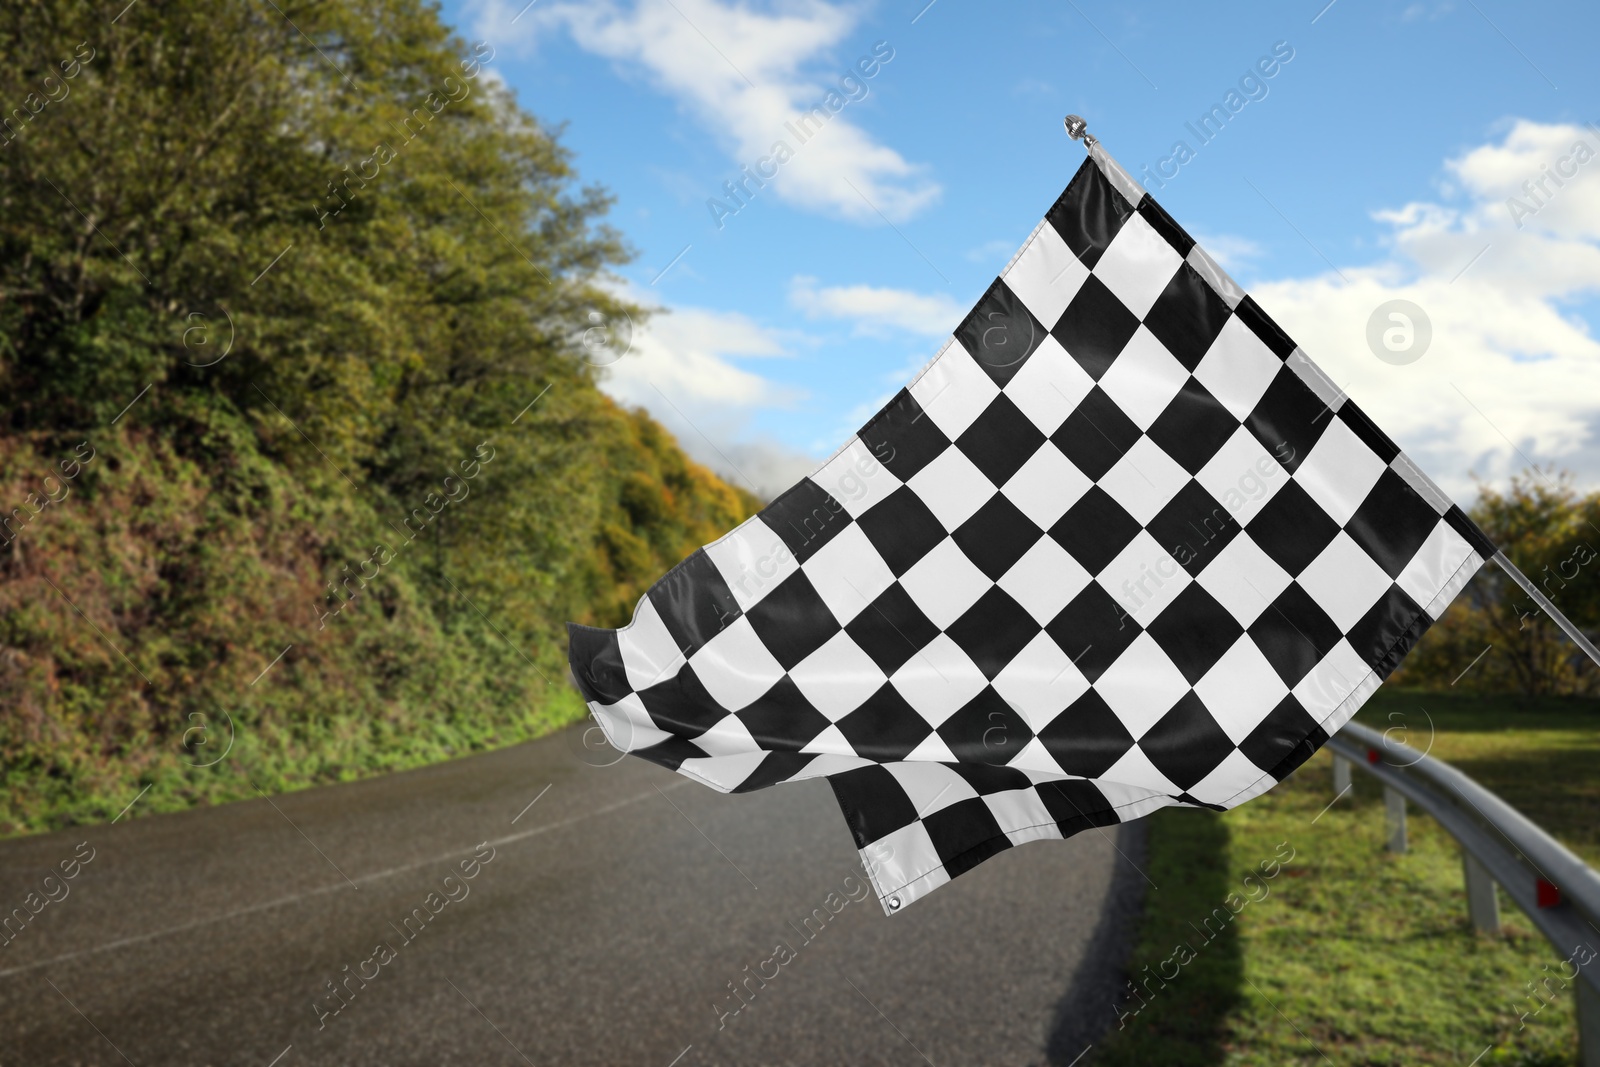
x,y
1550,532
301,454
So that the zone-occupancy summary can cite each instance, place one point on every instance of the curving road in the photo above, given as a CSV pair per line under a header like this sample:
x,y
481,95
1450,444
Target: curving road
x,y
603,928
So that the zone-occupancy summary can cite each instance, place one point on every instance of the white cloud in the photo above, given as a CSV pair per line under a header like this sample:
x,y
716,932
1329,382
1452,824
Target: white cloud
x,y
688,368
768,465
996,251
745,73
875,309
680,365
1509,358
1230,250
1416,12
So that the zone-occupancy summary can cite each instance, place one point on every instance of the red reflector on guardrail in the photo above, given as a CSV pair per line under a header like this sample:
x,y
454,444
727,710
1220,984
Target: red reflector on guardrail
x,y
1372,755
1546,893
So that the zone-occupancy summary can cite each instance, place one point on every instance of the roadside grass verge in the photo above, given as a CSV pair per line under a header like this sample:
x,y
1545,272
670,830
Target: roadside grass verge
x,y
1542,756
1345,954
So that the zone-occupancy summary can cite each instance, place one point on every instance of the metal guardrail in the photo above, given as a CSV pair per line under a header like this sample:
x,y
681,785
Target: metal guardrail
x,y
1499,846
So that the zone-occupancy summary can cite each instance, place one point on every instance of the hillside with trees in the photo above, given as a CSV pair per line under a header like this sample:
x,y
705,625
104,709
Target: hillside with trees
x,y
303,463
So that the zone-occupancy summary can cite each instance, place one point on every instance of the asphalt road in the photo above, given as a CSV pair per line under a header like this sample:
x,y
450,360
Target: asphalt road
x,y
605,929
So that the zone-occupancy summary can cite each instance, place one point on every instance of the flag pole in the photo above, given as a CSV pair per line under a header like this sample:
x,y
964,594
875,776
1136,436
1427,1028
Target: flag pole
x,y
1548,608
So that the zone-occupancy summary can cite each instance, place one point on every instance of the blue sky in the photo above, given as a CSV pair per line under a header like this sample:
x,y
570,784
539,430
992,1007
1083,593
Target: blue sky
x,y
1374,164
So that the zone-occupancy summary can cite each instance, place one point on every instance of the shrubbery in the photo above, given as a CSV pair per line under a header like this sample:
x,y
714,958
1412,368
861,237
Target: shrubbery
x,y
269,389
1552,533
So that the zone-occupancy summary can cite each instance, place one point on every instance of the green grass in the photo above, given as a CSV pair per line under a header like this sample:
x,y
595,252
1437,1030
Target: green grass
x,y
1542,756
1351,955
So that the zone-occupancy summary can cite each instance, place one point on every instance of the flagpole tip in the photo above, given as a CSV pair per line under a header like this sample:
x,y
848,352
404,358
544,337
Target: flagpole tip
x,y
1078,130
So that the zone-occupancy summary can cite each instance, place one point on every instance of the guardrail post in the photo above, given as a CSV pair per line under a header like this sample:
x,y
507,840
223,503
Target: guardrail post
x,y
1394,819
1483,903
1488,865
1588,1004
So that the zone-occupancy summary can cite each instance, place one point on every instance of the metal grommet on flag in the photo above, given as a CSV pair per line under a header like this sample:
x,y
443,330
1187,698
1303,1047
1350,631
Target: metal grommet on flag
x,y
1121,545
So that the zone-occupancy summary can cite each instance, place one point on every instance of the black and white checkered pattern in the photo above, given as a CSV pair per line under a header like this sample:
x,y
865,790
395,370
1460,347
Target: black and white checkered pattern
x,y
1120,545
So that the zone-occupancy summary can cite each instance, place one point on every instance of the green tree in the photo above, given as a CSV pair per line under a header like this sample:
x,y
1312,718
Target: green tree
x,y
309,289
1552,533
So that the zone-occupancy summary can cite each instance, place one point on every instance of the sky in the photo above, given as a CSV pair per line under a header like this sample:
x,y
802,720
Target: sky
x,y
1445,153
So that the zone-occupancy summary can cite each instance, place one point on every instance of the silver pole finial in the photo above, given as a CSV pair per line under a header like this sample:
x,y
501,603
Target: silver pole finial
x,y
1078,130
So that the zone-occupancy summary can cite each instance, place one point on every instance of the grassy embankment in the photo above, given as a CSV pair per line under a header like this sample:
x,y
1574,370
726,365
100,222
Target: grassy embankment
x,y
1351,955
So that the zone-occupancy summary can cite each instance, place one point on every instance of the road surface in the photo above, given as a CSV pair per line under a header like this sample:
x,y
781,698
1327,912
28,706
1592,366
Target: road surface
x,y
604,922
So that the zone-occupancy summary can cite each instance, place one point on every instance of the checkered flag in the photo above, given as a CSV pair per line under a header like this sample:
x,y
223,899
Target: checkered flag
x,y
1120,545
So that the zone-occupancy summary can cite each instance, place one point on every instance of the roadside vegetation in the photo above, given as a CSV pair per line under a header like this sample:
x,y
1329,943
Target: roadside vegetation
x,y
1354,955
303,466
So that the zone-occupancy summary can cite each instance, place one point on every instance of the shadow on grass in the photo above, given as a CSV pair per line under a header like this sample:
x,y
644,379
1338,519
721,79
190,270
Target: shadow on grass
x,y
1169,1012
1088,1010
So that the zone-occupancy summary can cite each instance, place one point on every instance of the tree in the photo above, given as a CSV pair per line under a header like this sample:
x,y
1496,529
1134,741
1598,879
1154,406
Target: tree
x,y
291,271
1553,535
